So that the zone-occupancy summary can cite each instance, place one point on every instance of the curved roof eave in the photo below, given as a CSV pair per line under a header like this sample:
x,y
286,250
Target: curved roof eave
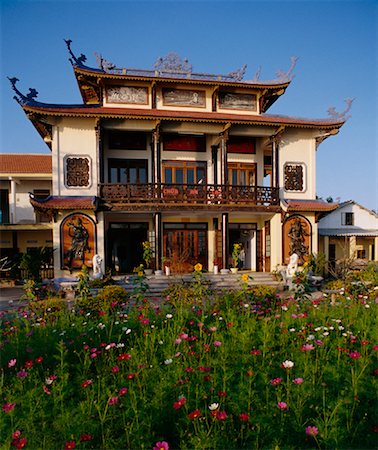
x,y
209,117
272,84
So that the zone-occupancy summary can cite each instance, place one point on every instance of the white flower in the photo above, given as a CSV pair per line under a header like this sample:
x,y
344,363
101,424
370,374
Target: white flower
x,y
341,328
318,328
367,306
287,364
120,345
168,361
284,308
292,330
169,316
161,342
326,333
101,326
246,305
49,381
214,406
310,337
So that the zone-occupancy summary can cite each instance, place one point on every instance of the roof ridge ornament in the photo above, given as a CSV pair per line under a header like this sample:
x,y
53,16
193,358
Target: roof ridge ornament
x,y
342,115
173,63
104,64
75,61
287,76
238,74
21,98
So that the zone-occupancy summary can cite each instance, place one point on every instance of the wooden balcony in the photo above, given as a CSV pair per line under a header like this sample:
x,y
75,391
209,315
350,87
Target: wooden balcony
x,y
162,196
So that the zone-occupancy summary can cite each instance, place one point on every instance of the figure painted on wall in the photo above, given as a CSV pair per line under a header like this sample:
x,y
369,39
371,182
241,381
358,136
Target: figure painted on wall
x,y
79,243
297,235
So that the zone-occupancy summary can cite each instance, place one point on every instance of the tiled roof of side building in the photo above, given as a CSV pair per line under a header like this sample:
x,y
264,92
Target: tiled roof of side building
x,y
25,163
310,205
64,202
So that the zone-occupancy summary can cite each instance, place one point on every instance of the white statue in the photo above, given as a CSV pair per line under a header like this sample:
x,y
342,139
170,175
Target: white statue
x,y
292,266
291,270
97,268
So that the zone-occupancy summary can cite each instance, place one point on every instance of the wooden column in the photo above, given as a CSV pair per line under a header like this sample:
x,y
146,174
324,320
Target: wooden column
x,y
225,240
158,240
223,146
156,163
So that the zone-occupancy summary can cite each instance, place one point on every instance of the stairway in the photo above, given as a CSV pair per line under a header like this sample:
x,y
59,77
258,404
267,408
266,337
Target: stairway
x,y
218,283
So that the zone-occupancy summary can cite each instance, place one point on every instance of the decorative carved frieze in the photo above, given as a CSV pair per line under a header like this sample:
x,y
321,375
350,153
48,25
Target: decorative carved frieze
x,y
77,172
293,174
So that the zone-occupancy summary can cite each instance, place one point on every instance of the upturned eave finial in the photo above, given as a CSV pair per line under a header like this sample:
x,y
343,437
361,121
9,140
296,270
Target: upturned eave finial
x,y
343,115
20,97
75,61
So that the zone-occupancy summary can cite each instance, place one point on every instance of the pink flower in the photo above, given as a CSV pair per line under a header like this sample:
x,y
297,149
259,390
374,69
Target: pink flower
x,y
307,347
7,407
298,380
194,414
113,401
312,431
355,355
287,364
124,356
163,445
275,381
12,362
255,352
282,406
69,445
123,391
221,415
217,343
115,369
46,390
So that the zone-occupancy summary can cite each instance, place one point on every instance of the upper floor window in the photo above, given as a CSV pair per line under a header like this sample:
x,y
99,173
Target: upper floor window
x,y
133,171
347,218
184,172
4,206
41,194
242,174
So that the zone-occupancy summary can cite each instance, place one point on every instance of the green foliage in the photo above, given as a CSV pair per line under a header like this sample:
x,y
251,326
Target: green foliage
x,y
49,309
33,261
147,253
236,250
316,264
105,300
135,378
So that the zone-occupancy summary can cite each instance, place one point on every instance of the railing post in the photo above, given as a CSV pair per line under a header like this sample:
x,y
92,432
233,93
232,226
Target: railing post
x,y
225,240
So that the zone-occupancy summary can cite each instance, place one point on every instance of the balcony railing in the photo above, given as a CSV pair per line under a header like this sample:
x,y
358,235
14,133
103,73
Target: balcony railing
x,y
188,194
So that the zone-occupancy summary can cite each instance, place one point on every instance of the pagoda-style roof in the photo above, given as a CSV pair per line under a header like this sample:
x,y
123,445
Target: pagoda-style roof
x,y
52,203
172,69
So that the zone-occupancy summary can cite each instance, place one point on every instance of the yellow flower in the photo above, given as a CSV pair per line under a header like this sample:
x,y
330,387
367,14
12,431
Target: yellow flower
x,y
140,274
198,267
245,277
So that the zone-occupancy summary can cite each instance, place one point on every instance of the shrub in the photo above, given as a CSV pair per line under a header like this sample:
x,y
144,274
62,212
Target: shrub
x,y
49,308
106,299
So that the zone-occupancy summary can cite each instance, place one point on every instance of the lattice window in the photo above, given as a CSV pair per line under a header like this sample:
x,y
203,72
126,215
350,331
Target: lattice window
x,y
77,172
293,174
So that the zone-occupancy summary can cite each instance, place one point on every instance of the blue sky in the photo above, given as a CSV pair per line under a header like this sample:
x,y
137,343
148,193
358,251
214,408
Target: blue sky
x,y
336,42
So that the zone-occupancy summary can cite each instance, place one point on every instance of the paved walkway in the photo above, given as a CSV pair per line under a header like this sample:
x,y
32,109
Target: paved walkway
x,y
9,297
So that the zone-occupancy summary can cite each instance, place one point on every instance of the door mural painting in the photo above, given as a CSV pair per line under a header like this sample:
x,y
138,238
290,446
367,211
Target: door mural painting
x,y
78,241
296,238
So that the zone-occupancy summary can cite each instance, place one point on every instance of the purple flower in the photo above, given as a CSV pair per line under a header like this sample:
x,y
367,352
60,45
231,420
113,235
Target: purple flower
x,y
307,347
298,380
163,445
217,343
275,381
22,374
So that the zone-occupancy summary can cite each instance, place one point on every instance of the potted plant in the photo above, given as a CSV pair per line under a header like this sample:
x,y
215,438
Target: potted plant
x,y
147,257
167,265
236,256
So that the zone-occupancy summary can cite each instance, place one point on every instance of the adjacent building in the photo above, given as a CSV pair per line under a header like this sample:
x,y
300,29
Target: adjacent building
x,y
349,232
191,162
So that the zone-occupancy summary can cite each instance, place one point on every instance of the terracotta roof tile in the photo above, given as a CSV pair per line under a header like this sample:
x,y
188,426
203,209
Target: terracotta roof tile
x,y
25,163
310,205
263,119
69,202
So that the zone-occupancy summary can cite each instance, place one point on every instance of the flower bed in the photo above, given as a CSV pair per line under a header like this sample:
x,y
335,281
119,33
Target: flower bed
x,y
235,372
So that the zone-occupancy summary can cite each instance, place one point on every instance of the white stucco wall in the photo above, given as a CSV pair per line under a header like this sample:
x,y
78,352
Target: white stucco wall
x,y
298,147
363,219
74,138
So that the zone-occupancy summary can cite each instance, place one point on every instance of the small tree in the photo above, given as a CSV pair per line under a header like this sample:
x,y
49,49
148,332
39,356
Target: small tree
x,y
33,261
236,254
147,253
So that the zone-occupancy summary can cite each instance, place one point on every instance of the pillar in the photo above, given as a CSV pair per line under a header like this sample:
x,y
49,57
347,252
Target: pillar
x,y
158,240
352,247
223,143
376,248
225,240
156,169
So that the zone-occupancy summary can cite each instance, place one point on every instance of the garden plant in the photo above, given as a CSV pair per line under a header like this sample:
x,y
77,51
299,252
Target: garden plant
x,y
246,369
